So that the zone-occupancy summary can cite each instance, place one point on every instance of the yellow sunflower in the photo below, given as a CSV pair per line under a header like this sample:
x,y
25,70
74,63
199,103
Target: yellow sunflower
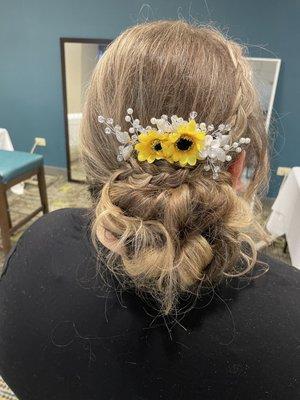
x,y
184,144
151,146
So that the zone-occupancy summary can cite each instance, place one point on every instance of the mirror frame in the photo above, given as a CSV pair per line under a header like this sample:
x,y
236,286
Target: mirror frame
x,y
64,40
277,62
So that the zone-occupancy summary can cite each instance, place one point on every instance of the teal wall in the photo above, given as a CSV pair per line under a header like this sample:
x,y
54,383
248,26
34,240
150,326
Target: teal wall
x,y
30,74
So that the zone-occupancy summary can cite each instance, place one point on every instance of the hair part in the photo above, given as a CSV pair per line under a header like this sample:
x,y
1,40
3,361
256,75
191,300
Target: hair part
x,y
175,228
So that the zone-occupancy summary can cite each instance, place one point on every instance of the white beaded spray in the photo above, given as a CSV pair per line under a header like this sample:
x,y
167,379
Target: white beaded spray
x,y
218,149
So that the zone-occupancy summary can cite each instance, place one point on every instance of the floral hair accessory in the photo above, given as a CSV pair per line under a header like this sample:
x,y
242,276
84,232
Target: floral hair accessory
x,y
176,141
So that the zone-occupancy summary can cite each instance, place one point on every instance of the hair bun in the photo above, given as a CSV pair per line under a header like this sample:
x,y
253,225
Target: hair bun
x,y
172,237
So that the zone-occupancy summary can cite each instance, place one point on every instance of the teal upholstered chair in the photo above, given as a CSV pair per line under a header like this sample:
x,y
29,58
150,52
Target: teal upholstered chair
x,y
15,167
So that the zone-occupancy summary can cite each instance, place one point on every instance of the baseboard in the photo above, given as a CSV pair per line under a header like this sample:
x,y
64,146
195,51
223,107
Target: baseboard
x,y
51,170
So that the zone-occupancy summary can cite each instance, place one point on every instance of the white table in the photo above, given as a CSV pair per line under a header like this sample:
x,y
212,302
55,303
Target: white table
x,y
5,141
285,216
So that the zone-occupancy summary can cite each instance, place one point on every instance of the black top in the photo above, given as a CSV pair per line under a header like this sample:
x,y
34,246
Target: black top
x,y
64,334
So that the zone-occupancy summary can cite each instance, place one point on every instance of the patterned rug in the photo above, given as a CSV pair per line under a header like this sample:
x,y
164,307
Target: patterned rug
x,y
5,392
66,194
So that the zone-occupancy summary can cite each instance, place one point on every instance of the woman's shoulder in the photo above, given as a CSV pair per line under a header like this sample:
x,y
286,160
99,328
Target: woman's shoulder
x,y
278,272
51,270
62,221
51,240
268,296
58,222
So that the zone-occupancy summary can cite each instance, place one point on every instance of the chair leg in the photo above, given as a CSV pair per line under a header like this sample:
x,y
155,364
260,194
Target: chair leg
x,y
7,207
5,221
43,189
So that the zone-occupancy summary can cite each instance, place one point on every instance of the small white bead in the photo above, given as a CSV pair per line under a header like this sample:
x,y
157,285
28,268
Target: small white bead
x,y
226,147
136,121
206,167
117,128
120,157
180,120
110,121
134,138
148,128
210,128
242,140
217,168
131,129
221,127
228,158
107,130
129,111
202,126
235,145
127,118
164,116
193,114
247,140
238,149
101,119
153,121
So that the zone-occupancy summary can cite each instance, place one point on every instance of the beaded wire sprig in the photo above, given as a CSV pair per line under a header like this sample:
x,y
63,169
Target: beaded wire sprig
x,y
175,140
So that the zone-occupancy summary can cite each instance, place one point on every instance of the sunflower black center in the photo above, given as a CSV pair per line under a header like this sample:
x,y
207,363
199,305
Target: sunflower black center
x,y
157,146
184,144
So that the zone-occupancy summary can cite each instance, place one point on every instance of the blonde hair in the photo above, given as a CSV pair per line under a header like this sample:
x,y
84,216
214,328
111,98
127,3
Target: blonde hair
x,y
176,229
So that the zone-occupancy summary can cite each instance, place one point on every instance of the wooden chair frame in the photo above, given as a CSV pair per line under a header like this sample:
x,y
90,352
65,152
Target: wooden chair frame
x,y
6,227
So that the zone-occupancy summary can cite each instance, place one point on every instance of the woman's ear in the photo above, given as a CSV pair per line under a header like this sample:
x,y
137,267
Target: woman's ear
x,y
236,170
109,241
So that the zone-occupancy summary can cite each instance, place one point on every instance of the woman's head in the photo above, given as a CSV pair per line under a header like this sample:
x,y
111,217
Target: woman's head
x,y
173,228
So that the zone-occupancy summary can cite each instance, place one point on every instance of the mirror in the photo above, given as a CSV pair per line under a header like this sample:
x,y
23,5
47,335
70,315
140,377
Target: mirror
x,y
265,76
78,59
